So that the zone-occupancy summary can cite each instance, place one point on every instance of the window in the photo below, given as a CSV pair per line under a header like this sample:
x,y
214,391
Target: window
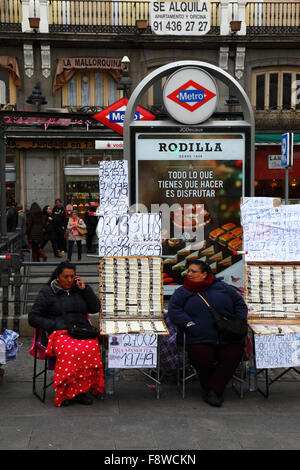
x,y
7,89
276,88
155,96
90,88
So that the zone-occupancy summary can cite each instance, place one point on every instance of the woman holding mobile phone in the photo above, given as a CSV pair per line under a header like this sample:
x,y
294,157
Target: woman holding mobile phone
x,y
78,366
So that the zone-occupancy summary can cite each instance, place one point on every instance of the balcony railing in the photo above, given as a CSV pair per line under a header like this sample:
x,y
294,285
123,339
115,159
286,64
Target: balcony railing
x,y
118,16
97,16
10,15
273,17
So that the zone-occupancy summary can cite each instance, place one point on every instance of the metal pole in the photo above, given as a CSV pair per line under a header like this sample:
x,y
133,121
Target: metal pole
x,y
286,185
2,181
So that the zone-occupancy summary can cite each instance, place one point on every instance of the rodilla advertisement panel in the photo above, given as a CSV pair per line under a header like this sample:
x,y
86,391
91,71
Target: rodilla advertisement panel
x,y
196,180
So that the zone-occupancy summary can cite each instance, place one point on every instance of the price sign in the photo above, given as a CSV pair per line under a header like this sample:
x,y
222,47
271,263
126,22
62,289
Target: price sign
x,y
180,18
132,351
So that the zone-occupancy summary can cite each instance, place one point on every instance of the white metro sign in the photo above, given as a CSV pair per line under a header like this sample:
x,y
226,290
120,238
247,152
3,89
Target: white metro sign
x,y
189,18
190,95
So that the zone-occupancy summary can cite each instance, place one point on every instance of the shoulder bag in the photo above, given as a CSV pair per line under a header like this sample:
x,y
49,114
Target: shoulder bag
x,y
79,327
229,328
81,230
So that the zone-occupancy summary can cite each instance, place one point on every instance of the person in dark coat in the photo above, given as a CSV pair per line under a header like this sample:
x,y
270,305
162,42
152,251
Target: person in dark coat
x,y
60,221
49,230
34,231
11,217
215,361
22,225
91,222
78,366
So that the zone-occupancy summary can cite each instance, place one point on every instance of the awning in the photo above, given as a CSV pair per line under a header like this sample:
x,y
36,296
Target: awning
x,y
273,139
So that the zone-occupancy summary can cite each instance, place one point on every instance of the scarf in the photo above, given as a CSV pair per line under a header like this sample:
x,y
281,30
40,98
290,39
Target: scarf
x,y
74,230
199,286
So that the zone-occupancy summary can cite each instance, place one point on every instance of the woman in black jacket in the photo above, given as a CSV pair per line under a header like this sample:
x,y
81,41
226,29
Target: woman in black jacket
x,y
78,367
49,231
34,231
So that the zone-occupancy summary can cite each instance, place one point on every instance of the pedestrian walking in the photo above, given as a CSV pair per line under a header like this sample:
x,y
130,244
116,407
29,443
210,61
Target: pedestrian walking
x,y
22,225
75,226
60,221
34,231
91,222
11,216
49,231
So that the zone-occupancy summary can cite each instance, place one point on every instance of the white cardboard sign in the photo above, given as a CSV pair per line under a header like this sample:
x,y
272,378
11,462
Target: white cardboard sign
x,y
132,351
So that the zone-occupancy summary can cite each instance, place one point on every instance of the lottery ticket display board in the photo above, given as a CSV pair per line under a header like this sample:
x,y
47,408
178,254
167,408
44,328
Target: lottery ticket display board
x,y
131,296
273,298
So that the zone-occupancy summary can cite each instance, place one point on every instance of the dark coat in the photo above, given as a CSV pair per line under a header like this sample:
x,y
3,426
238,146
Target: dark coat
x,y
91,222
34,228
186,306
60,218
47,311
48,228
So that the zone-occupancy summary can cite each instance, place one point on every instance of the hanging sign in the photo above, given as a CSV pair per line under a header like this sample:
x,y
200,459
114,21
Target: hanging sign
x,y
190,95
114,115
178,18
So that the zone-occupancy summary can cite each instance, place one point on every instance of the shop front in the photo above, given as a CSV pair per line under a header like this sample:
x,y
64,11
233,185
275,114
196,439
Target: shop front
x,y
51,156
269,176
81,180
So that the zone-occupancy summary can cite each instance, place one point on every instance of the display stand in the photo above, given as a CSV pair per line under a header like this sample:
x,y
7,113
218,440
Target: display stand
x,y
131,296
273,298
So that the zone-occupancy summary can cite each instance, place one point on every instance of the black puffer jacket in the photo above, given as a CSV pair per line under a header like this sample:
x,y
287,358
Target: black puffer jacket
x,y
52,302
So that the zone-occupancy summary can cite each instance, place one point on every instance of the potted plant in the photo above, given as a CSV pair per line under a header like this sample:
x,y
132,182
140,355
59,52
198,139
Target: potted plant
x,y
34,22
141,24
235,25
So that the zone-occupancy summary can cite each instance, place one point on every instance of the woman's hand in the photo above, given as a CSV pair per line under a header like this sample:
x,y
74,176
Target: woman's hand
x,y
79,282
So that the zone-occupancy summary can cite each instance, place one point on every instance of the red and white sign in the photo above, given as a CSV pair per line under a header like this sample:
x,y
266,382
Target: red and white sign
x,y
114,115
190,95
109,144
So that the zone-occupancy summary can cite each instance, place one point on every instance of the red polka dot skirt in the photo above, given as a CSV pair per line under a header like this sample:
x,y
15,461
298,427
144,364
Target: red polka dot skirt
x,y
78,366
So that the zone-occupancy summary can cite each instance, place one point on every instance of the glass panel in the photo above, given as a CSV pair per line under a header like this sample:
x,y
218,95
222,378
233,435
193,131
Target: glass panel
x,y
98,89
4,87
2,92
10,160
287,90
260,92
80,191
72,91
94,159
273,91
85,89
74,160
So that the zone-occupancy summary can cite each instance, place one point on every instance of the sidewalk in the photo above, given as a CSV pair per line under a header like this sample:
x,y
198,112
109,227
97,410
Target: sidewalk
x,y
133,419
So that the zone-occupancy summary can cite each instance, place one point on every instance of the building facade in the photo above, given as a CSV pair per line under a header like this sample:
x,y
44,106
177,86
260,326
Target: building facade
x,y
58,71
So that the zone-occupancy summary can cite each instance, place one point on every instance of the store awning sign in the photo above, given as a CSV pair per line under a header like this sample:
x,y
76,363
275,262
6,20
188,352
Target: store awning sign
x,y
190,95
114,115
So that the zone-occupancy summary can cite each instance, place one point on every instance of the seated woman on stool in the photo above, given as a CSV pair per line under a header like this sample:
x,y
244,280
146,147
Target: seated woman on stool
x,y
214,361
78,366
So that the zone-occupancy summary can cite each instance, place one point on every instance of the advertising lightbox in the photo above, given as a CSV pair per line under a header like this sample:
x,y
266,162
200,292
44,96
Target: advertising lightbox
x,y
196,180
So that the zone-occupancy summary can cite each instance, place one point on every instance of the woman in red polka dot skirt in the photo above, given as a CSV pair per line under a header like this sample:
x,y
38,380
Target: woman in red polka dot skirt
x,y
78,366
